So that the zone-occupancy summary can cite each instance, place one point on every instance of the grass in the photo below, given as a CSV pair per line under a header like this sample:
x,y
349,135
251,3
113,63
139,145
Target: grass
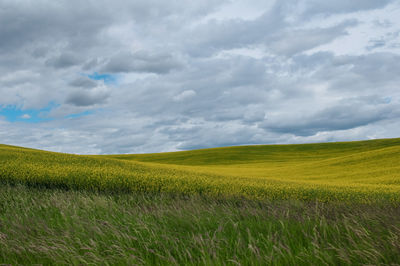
x,y
329,203
53,226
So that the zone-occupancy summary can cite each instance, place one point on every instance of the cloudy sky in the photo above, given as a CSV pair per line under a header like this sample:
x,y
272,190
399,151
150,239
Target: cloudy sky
x,y
95,77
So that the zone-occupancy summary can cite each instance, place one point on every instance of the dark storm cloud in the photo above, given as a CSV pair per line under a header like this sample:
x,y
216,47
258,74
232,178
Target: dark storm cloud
x,y
197,74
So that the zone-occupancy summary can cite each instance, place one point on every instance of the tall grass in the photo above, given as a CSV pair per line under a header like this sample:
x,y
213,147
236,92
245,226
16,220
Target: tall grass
x,y
51,226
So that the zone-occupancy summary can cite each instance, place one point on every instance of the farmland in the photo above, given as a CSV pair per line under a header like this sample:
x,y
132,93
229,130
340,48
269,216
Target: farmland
x,y
366,171
327,203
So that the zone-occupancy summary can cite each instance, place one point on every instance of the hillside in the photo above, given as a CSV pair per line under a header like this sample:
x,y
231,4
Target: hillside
x,y
291,153
311,204
361,171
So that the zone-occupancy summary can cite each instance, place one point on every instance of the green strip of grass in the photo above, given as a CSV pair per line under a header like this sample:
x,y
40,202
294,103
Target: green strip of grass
x,y
81,227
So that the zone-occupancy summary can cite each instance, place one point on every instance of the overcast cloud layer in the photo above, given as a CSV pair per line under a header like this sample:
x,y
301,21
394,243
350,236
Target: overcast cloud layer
x,y
154,75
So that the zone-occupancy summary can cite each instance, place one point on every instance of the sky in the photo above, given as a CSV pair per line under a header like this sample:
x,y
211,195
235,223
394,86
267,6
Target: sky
x,y
107,77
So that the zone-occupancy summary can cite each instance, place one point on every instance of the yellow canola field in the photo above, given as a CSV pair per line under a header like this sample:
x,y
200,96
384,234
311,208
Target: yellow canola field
x,y
366,171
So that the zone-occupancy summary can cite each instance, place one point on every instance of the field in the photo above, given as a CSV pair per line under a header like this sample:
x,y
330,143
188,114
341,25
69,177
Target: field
x,y
329,203
366,171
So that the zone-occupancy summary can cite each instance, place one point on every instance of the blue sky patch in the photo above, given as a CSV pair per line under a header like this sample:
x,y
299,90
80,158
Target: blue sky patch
x,y
14,114
107,78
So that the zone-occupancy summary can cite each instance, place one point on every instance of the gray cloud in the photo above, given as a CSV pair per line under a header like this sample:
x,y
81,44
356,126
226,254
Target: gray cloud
x,y
83,82
342,6
141,62
340,117
179,75
30,24
87,97
217,35
296,41
63,61
273,30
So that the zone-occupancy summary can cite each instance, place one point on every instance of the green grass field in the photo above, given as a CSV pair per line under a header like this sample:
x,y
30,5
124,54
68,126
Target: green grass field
x,y
329,203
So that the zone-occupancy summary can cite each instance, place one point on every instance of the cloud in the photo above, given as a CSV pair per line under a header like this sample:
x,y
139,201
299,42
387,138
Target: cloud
x,y
273,30
63,61
390,39
214,36
341,6
87,97
184,95
141,62
254,114
342,117
149,76
83,82
293,42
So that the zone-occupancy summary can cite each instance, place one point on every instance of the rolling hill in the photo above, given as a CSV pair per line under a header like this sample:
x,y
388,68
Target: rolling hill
x,y
362,171
308,204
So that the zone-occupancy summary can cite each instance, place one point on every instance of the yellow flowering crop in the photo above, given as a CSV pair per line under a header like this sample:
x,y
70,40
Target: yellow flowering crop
x,y
367,171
